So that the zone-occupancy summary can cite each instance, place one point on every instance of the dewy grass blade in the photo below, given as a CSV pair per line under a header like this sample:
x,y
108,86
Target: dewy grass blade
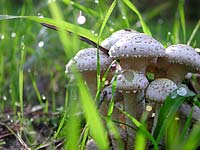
x,y
182,17
135,10
196,29
92,116
59,24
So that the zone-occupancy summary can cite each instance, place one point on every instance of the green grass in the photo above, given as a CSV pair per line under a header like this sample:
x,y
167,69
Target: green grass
x,y
28,71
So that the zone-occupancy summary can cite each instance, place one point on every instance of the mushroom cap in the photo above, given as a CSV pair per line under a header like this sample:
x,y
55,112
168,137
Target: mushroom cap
x,y
183,54
137,45
111,40
86,59
131,81
159,89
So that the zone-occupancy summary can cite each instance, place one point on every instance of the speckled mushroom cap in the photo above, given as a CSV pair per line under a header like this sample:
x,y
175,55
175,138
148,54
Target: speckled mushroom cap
x,y
86,59
137,45
108,42
183,54
159,89
131,81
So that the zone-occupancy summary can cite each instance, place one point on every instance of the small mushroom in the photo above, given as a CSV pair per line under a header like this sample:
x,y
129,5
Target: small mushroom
x,y
179,60
86,63
111,40
132,84
157,91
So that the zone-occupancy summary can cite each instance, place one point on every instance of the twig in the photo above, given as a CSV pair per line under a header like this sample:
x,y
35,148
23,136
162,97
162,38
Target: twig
x,y
17,136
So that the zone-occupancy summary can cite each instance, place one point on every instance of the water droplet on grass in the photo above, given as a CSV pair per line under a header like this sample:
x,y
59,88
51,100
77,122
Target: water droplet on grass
x,y
2,36
182,91
13,34
81,19
40,15
174,95
4,98
41,44
96,1
124,17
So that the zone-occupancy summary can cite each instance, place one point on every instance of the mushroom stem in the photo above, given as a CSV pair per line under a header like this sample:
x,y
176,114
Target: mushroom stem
x,y
134,105
177,72
155,120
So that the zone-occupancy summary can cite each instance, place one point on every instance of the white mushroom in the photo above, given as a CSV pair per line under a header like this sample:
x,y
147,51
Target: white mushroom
x,y
132,85
136,51
157,91
86,63
180,59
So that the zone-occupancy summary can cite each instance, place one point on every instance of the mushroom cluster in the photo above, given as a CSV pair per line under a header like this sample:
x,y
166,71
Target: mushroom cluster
x,y
136,52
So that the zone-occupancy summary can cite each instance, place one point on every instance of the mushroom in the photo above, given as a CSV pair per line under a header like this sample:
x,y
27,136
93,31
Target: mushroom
x,y
178,61
132,85
157,91
111,40
136,51
86,63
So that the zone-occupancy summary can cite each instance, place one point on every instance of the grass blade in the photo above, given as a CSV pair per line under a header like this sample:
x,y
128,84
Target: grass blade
x,y
135,10
168,111
64,25
182,17
193,138
196,29
92,116
142,129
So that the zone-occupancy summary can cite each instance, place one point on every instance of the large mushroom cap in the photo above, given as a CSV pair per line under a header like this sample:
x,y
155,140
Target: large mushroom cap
x,y
183,54
159,89
137,45
111,40
86,59
130,81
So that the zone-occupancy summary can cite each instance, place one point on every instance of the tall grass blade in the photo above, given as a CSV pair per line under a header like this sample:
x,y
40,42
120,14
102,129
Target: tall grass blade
x,y
135,10
194,32
123,11
64,25
182,17
92,116
192,141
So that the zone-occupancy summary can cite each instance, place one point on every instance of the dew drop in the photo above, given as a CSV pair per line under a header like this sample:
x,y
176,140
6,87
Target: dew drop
x,y
41,44
174,95
81,19
2,36
153,115
43,97
182,91
96,1
4,98
124,17
169,33
40,15
13,34
111,29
